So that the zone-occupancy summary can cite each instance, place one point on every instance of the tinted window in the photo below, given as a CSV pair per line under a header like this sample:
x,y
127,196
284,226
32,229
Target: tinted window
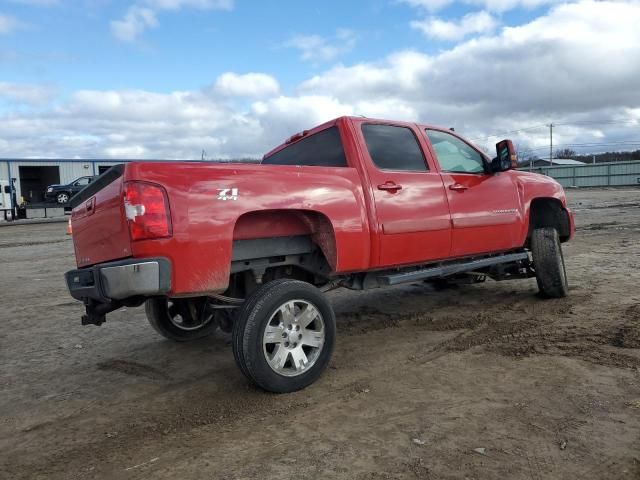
x,y
322,149
83,181
454,155
393,148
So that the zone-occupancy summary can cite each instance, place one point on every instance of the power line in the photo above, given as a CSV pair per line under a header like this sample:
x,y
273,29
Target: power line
x,y
546,125
551,143
600,122
586,145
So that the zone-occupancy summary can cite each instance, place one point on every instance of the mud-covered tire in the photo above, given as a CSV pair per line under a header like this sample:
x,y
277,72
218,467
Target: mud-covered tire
x,y
157,310
548,263
259,312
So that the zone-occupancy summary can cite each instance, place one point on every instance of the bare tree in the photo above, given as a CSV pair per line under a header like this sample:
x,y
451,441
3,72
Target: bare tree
x,y
565,153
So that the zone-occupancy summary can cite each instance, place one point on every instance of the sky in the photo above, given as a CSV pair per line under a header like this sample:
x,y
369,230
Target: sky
x,y
168,79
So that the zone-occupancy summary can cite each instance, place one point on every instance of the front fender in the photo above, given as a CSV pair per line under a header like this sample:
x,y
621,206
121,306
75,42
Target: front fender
x,y
532,187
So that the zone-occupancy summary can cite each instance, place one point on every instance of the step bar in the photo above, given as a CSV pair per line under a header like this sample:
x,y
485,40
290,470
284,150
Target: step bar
x,y
450,269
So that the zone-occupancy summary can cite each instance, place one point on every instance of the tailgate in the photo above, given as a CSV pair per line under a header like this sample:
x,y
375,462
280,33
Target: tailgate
x,y
100,231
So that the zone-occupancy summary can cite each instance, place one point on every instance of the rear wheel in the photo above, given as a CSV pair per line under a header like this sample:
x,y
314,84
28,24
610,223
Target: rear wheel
x,y
284,335
180,320
548,262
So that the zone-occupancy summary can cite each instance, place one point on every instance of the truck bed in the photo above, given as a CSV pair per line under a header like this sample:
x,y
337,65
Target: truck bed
x,y
211,205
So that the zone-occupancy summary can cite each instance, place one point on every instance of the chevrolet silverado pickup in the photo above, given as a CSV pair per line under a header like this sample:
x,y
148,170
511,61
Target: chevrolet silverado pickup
x,y
356,203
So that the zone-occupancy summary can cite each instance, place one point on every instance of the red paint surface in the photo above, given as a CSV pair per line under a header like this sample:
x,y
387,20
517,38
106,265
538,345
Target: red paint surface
x,y
358,225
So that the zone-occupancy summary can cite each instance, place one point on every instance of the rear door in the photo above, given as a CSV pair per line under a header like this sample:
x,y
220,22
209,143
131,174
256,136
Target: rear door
x,y
410,201
485,209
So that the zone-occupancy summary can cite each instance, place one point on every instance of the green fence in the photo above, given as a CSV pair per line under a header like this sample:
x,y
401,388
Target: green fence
x,y
593,175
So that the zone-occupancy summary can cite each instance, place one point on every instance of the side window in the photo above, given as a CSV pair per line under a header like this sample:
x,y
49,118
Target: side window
x,y
393,148
453,154
322,149
82,181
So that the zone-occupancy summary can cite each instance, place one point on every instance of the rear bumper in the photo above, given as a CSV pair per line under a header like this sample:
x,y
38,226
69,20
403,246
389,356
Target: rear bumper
x,y
114,281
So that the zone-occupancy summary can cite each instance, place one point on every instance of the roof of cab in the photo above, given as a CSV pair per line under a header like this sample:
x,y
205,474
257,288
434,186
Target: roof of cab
x,y
359,119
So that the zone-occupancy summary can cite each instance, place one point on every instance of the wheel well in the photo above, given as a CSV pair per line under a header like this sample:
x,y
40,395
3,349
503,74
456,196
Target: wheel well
x,y
273,244
287,223
548,212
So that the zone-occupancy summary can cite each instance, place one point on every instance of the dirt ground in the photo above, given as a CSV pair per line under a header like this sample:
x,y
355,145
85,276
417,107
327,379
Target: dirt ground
x,y
421,381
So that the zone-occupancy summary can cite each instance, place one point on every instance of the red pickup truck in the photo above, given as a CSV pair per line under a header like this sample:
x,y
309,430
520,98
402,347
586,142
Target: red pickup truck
x,y
355,202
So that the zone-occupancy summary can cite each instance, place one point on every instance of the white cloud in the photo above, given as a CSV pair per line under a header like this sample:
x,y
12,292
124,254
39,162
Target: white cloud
x,y
143,15
134,23
315,48
491,5
247,85
506,5
574,60
8,24
575,64
26,94
472,23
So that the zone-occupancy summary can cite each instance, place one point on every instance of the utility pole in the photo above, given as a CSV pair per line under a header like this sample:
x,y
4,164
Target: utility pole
x,y
551,144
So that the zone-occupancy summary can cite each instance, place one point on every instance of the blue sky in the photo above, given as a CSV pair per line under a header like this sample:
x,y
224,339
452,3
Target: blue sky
x,y
209,68
74,47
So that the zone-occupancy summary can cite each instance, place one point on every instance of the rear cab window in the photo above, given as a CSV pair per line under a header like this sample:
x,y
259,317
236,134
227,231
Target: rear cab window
x,y
454,155
321,149
393,147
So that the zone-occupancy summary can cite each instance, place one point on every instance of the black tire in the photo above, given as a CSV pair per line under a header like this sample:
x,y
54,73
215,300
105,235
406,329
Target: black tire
x,y
250,325
548,263
159,316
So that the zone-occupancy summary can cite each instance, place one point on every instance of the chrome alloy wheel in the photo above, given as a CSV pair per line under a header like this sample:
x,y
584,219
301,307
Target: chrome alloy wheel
x,y
293,338
187,314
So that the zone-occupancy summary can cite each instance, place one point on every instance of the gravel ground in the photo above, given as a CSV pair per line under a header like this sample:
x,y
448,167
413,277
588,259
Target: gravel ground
x,y
478,382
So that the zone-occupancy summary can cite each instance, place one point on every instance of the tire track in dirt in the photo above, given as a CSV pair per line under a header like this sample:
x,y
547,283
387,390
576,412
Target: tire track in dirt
x,y
133,368
516,335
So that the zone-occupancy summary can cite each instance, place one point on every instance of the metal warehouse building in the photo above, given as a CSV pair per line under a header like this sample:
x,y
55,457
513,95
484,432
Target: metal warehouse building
x,y
33,176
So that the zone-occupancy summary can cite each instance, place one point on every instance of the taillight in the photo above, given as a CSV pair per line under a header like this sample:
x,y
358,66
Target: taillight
x,y
147,210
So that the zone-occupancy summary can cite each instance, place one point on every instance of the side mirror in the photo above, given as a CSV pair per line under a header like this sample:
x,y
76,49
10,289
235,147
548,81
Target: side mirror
x,y
507,157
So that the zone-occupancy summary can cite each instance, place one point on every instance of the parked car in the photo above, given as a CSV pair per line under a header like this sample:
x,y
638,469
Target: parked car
x,y
355,203
63,193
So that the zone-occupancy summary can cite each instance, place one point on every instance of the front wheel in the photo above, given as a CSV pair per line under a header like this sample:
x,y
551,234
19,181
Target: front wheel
x,y
181,319
284,335
548,263
62,197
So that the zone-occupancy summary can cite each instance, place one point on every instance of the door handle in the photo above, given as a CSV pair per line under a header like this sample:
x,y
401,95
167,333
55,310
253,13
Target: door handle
x,y
458,187
89,206
390,187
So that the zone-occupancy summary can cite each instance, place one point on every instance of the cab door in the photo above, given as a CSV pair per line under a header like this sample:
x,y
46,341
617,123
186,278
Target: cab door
x,y
410,201
486,212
